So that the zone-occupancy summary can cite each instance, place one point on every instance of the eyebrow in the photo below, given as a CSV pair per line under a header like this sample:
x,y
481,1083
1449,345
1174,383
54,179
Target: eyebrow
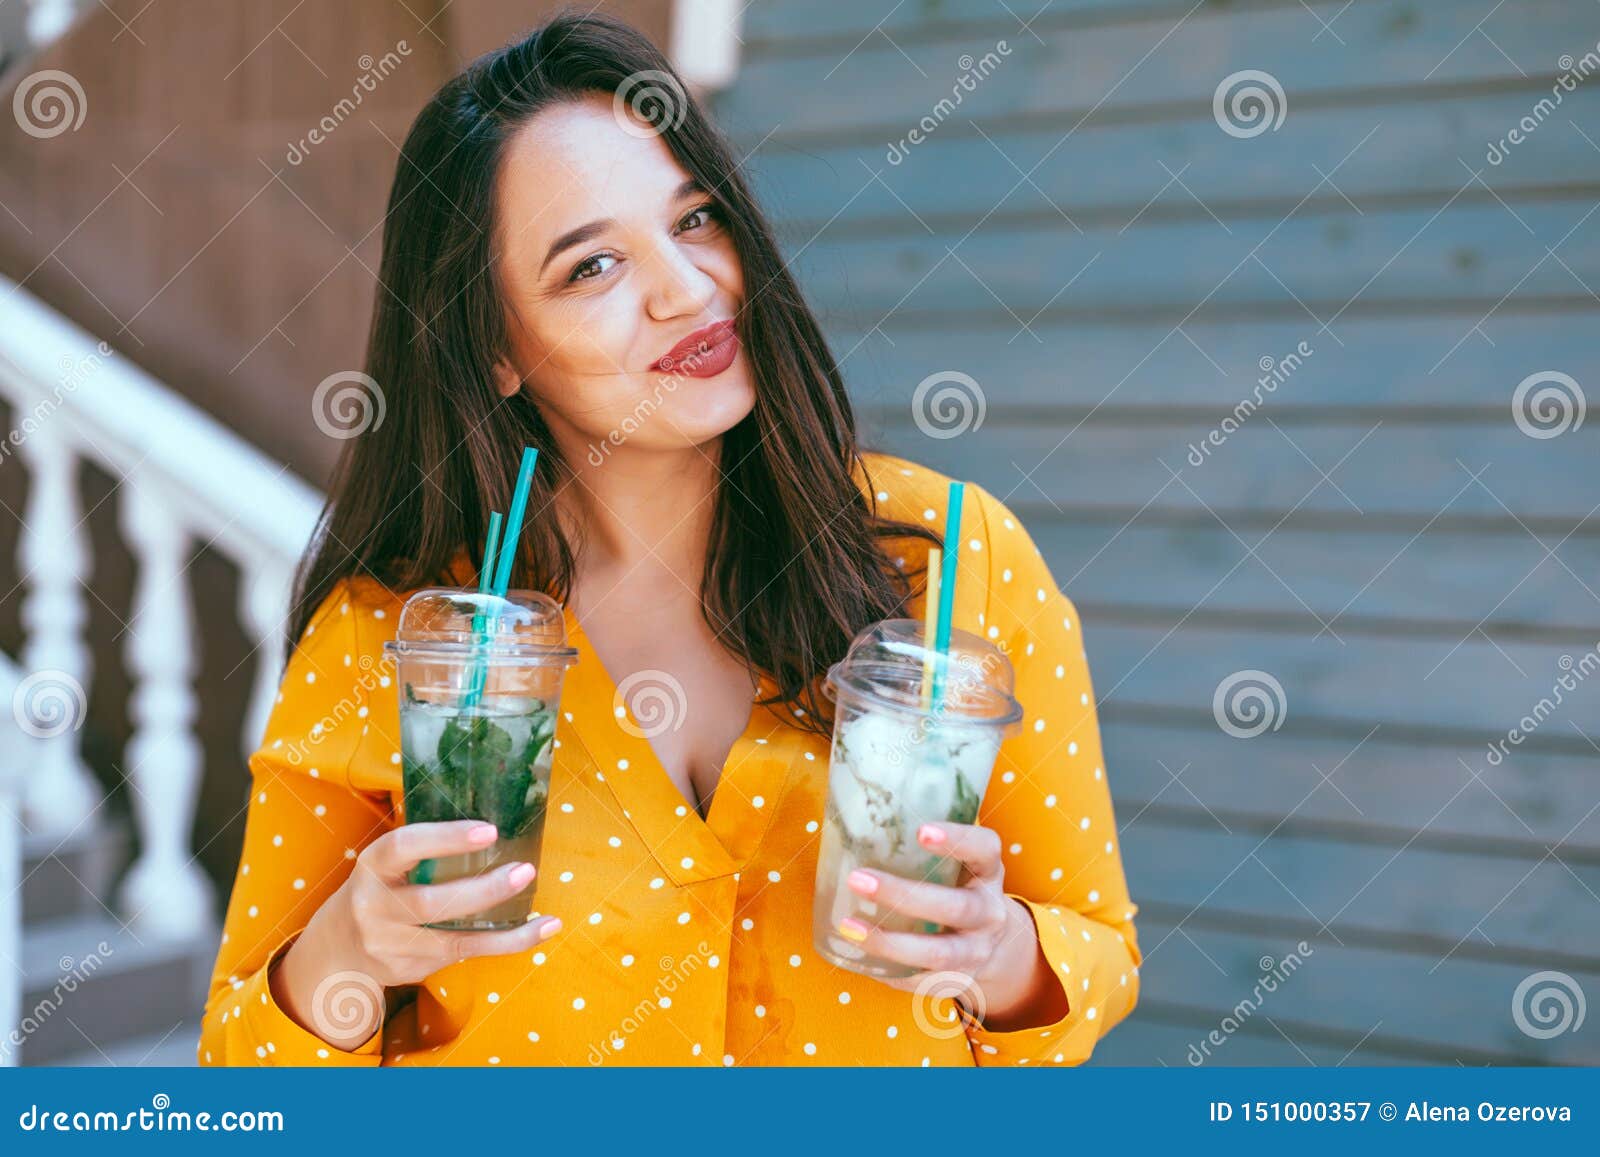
x,y
575,237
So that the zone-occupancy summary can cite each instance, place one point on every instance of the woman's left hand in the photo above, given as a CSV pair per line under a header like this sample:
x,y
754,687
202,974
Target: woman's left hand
x,y
991,937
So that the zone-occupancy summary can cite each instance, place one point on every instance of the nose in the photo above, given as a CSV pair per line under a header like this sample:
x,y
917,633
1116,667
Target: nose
x,y
678,287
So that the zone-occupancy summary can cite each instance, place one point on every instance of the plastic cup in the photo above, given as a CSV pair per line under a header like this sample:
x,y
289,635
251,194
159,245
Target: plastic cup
x,y
898,762
478,717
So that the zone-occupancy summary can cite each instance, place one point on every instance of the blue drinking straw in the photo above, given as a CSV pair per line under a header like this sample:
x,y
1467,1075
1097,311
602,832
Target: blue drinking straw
x,y
947,589
480,620
508,552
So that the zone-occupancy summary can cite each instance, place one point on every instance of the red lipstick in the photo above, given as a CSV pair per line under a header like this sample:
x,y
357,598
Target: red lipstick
x,y
703,354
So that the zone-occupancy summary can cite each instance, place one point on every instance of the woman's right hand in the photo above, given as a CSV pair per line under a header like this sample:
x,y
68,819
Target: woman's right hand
x,y
368,935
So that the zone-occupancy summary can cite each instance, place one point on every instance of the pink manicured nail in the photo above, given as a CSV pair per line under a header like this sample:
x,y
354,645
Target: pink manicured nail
x,y
929,834
550,929
483,834
519,876
864,882
852,929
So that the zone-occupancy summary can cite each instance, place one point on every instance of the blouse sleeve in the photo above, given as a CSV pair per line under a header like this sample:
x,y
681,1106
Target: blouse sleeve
x,y
310,813
1051,804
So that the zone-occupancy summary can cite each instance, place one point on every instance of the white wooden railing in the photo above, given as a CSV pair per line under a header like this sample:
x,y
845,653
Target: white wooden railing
x,y
185,482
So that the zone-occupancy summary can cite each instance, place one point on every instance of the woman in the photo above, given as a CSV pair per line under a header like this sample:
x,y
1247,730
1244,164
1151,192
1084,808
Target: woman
x,y
570,268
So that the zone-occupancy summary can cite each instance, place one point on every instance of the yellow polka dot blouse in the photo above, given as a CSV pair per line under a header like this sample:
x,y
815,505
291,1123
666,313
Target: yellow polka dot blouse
x,y
685,941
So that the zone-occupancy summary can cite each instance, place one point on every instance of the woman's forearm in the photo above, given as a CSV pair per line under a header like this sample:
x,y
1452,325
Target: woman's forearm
x,y
318,956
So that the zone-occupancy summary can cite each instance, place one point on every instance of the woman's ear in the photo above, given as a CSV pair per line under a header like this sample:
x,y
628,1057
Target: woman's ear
x,y
506,378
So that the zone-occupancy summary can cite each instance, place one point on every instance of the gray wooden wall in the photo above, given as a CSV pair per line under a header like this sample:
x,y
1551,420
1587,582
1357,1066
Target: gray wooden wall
x,y
1410,557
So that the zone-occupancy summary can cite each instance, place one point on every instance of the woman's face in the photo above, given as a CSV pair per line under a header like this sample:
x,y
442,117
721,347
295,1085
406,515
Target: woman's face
x,y
610,256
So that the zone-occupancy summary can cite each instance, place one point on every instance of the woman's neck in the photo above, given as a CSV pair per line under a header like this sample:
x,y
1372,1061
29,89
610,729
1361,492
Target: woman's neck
x,y
641,513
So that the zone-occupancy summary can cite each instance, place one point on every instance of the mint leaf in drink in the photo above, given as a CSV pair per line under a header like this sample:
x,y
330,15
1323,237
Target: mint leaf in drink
x,y
498,781
965,808
426,799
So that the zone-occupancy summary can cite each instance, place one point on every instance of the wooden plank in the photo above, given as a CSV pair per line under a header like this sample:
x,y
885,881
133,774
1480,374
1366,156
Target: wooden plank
x,y
1163,61
1524,908
1373,468
1377,790
776,27
1440,585
1153,1036
1062,370
1113,173
1489,253
1332,994
1477,689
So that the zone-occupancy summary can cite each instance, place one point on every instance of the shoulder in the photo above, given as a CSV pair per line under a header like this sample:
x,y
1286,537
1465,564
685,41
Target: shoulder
x,y
350,624
911,492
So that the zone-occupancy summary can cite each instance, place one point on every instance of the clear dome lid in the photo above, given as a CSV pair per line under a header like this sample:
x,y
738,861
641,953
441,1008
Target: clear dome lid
x,y
526,627
886,662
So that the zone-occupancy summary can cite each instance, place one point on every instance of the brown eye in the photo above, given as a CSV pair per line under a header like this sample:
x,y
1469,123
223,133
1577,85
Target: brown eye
x,y
707,215
591,267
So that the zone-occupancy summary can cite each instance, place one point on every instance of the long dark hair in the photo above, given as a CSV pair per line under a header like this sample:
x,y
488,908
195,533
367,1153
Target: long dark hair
x,y
796,562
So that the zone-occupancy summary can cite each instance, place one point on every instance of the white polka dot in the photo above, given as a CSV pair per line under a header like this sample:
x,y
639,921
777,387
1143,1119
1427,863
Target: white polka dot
x,y
975,544
1015,848
892,1031
1038,725
683,917
686,862
1072,749
1050,800
747,923
615,841
657,882
299,885
538,957
930,514
565,877
577,1002
1005,575
493,998
594,917
758,802
844,998
1084,823
774,876
627,961
794,961
810,1049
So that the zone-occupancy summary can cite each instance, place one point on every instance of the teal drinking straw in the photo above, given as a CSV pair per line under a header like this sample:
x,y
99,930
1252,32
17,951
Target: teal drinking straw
x,y
519,507
947,589
480,620
511,536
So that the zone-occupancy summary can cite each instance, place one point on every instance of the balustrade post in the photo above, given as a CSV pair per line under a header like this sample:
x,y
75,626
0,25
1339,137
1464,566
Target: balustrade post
x,y
164,893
